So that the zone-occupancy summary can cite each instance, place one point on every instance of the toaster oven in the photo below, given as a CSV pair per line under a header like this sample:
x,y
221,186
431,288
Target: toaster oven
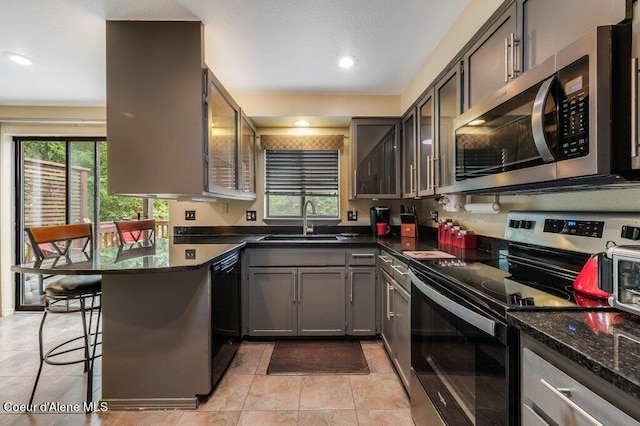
x,y
624,264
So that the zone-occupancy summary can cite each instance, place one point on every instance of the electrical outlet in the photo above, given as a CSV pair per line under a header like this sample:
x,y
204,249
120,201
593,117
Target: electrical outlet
x,y
251,216
189,215
352,215
224,208
190,254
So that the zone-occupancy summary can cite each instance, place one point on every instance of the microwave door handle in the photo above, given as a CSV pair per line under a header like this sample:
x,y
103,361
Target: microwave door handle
x,y
480,322
537,121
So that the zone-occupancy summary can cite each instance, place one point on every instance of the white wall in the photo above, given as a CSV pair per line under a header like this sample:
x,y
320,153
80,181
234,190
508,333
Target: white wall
x,y
603,200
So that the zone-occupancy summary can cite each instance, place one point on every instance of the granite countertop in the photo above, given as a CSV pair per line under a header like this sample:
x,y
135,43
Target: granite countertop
x,y
606,343
168,255
163,256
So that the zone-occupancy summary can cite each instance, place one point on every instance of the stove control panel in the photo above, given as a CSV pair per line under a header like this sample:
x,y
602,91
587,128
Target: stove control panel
x,y
580,231
581,228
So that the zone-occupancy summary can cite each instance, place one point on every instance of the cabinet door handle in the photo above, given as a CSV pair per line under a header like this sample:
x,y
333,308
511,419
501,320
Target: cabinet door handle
x,y
295,284
351,287
635,69
506,59
514,59
355,183
389,290
561,394
428,172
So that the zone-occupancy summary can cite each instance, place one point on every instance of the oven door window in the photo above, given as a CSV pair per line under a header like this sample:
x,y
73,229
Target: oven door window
x,y
462,368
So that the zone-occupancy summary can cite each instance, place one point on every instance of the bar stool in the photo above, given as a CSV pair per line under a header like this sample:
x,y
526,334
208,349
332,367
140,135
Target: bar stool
x,y
69,294
136,231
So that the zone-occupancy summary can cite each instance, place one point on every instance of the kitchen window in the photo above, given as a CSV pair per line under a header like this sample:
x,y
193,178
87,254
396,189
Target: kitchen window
x,y
294,176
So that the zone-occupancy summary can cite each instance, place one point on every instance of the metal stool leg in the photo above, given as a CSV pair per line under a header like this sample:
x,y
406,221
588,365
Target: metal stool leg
x,y
35,385
93,354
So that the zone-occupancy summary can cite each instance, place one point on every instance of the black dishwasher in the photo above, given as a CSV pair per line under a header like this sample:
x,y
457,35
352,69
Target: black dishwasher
x,y
225,313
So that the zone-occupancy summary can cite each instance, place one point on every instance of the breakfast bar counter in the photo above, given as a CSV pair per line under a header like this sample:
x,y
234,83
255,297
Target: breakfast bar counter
x,y
156,310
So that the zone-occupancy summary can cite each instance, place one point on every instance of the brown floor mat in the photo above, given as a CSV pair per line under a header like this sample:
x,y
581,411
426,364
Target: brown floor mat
x,y
343,357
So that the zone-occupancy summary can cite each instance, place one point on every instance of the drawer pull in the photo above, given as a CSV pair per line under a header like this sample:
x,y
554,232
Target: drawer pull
x,y
563,395
384,259
395,268
362,255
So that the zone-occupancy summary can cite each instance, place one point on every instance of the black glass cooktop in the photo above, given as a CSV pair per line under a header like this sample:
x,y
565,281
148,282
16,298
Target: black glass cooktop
x,y
510,282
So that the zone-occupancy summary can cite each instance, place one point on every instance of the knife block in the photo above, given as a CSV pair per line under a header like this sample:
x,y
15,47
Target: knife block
x,y
409,230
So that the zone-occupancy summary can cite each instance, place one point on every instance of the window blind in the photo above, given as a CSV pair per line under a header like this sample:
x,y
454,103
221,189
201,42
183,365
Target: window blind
x,y
290,172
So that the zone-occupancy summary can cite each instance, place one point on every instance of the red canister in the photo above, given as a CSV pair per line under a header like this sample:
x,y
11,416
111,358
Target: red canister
x,y
453,235
466,239
441,225
446,230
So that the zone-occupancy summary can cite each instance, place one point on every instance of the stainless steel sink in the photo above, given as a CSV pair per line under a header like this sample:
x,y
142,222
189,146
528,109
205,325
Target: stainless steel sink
x,y
299,237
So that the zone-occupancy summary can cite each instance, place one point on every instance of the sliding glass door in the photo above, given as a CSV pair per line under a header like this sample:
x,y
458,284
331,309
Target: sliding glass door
x,y
61,181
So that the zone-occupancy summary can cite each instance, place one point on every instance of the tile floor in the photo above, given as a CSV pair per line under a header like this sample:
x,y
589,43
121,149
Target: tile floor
x,y
245,396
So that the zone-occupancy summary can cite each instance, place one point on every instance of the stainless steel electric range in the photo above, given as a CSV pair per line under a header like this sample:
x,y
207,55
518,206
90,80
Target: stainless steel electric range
x,y
464,356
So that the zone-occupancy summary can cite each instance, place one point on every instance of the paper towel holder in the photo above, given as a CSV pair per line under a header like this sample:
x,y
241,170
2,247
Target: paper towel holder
x,y
491,208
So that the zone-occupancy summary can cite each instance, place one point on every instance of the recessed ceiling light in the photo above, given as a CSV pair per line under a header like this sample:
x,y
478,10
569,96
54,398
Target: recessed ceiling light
x,y
346,62
18,58
302,123
477,122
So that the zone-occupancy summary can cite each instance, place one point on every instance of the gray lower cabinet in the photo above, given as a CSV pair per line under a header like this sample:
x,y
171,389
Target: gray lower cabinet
x,y
402,334
272,302
310,292
321,301
396,326
555,390
290,301
361,303
387,315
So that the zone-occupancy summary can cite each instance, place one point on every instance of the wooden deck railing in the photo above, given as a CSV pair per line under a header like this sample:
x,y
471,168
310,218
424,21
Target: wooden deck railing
x,y
109,235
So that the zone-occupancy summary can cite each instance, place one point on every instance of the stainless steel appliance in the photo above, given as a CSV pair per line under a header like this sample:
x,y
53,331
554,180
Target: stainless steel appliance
x,y
556,125
379,214
624,274
464,356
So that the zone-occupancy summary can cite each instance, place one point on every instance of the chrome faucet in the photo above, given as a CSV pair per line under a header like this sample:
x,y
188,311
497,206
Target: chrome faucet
x,y
305,227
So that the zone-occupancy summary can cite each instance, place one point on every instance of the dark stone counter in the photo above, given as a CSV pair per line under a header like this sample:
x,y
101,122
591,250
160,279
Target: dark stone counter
x,y
605,342
163,256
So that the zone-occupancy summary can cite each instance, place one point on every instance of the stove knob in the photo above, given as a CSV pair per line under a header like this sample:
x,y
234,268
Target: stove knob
x,y
630,232
527,224
512,223
515,298
528,301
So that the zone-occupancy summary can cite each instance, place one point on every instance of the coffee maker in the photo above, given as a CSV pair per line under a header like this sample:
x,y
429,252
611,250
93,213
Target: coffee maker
x,y
380,214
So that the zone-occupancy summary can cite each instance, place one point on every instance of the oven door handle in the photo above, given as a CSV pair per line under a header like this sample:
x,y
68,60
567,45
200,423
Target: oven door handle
x,y
537,121
480,322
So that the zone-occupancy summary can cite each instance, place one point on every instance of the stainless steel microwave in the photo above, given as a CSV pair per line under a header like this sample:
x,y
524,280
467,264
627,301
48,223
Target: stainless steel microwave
x,y
565,122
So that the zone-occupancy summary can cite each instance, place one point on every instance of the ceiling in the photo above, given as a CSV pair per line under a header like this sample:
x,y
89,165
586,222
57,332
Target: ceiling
x,y
253,46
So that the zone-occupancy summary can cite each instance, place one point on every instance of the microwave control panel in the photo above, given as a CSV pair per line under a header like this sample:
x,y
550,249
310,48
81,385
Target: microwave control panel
x,y
574,109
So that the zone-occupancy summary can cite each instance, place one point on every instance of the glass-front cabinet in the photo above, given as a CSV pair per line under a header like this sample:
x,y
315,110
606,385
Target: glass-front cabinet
x,y
375,158
409,165
447,107
231,141
426,146
222,125
247,181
